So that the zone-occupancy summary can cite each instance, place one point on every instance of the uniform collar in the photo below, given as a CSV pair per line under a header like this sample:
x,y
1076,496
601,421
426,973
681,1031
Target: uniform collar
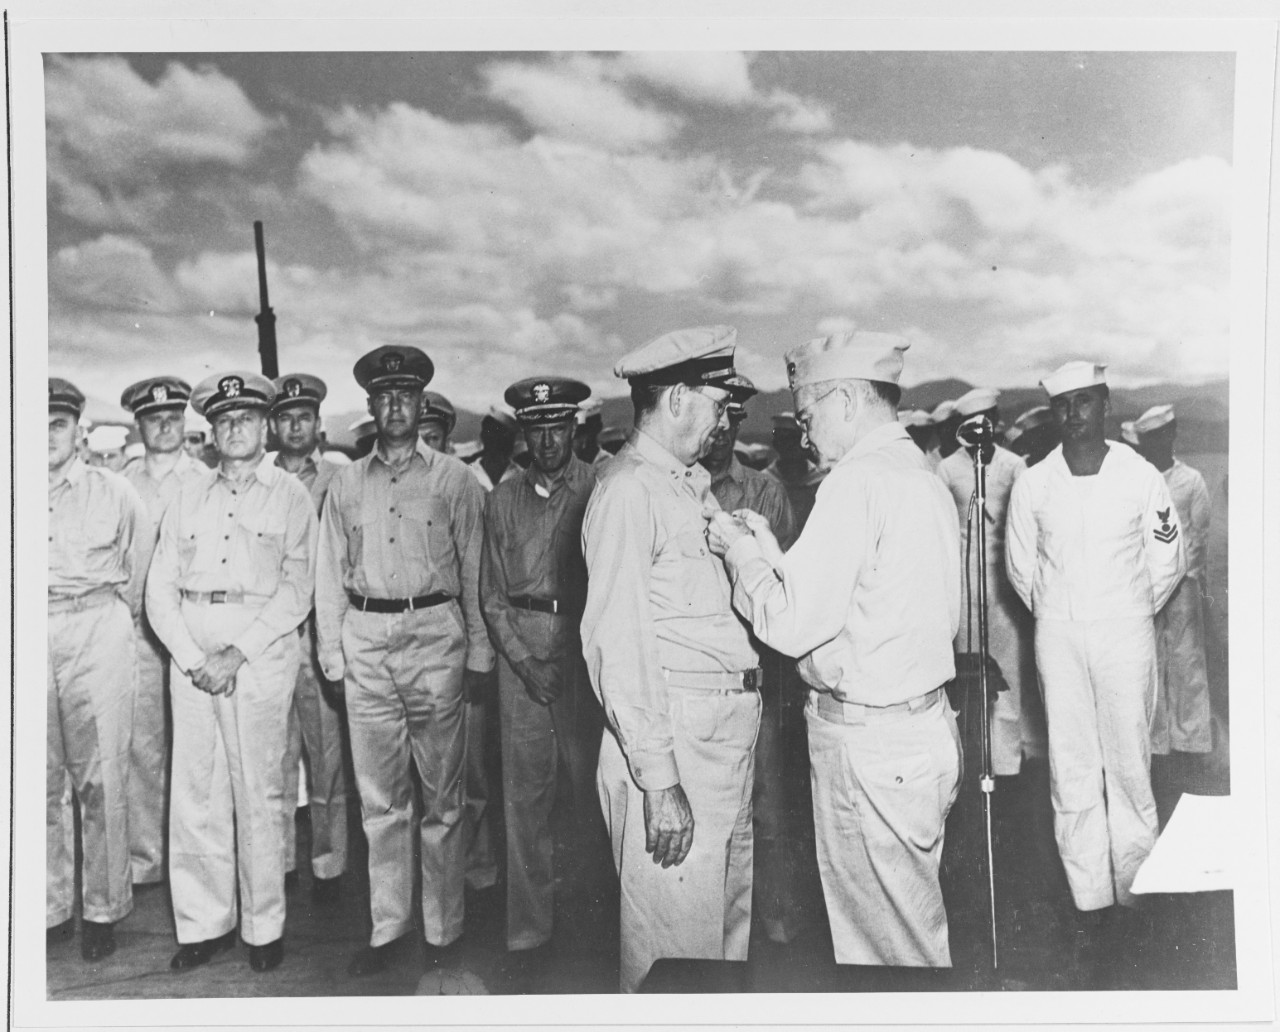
x,y
575,471
735,471
76,471
876,439
310,462
652,452
420,450
264,472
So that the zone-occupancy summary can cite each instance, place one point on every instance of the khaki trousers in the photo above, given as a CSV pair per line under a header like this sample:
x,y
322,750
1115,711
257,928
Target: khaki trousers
x,y
702,908
226,814
477,818
89,718
149,759
535,739
315,726
1099,680
882,787
404,703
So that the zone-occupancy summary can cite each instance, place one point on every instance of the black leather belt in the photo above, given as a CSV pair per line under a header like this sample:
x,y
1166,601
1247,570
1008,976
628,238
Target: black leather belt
x,y
397,605
537,605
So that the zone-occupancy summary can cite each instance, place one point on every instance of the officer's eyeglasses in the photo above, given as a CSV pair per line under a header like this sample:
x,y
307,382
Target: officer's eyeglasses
x,y
803,415
720,405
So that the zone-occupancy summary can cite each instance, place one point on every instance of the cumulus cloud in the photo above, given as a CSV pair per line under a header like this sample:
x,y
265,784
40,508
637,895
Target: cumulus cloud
x,y
112,136
716,77
112,273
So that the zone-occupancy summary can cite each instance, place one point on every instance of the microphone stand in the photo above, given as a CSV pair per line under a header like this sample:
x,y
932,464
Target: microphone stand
x,y
986,780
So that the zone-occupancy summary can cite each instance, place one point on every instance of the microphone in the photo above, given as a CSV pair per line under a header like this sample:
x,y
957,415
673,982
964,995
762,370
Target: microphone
x,y
975,431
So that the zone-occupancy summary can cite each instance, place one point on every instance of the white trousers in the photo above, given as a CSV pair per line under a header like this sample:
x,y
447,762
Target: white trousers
x,y
226,815
315,726
1099,681
149,759
89,718
882,787
404,704
1181,720
702,908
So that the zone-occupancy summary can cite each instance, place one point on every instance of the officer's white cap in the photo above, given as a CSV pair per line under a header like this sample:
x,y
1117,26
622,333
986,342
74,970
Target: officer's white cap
x,y
107,438
1153,419
852,355
980,399
1127,433
1072,376
914,417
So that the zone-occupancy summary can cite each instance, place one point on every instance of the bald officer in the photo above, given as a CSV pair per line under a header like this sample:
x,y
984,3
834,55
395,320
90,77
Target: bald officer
x,y
532,586
868,599
1015,728
673,667
229,585
1182,707
97,532
159,407
399,627
314,723
1094,549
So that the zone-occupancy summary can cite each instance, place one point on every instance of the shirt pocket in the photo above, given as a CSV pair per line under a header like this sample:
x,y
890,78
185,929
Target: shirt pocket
x,y
423,536
691,576
262,537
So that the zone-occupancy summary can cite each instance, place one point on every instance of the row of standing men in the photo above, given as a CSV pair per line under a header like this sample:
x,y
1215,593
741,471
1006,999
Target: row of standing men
x,y
417,582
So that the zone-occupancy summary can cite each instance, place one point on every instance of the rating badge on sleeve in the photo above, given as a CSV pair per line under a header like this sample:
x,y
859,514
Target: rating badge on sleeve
x,y
1166,533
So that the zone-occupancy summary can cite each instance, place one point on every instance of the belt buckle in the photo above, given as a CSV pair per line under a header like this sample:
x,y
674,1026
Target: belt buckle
x,y
217,598
751,679
555,606
409,605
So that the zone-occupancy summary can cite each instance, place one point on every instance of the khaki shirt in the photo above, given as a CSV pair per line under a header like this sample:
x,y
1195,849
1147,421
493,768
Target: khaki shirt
x,y
97,535
400,534
1191,499
256,536
315,475
156,494
657,599
739,487
533,548
869,596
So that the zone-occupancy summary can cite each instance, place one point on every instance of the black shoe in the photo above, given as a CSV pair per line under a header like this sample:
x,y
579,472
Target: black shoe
x,y
526,969
326,890
96,940
264,958
193,954
290,881
438,955
140,887
370,960
60,932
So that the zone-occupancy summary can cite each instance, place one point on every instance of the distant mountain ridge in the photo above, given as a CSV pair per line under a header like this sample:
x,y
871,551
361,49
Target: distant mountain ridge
x,y
1202,410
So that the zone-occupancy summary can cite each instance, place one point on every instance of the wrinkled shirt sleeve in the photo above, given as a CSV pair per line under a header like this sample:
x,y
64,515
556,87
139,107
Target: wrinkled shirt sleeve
x,y
135,545
493,587
290,603
1020,541
1162,542
331,576
164,598
1198,528
804,603
467,527
618,633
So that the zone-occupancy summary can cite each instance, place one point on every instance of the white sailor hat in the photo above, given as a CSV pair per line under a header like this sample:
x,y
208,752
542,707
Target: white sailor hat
x,y
1153,419
980,399
1128,434
505,418
942,411
912,418
107,438
224,391
592,408
701,356
1074,375
852,355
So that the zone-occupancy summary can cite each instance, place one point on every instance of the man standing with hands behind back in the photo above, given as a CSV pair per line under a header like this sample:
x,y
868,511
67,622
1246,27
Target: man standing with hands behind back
x,y
673,667
868,599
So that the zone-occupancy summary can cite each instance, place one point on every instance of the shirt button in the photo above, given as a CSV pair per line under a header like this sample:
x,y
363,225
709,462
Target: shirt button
x,y
393,541
226,537
224,562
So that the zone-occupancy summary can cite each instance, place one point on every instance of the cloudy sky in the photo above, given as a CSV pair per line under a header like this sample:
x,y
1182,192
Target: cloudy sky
x,y
519,213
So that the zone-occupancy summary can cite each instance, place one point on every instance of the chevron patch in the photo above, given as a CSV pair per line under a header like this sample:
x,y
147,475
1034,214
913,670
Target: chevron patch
x,y
1166,534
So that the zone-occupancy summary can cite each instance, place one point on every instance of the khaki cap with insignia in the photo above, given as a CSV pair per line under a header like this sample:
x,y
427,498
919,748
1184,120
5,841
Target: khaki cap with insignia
x,y
393,366
296,389
546,399
853,355
155,394
436,408
741,390
65,396
700,357
235,390
1072,376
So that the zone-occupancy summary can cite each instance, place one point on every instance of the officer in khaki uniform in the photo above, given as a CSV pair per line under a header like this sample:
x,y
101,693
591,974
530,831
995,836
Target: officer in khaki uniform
x,y
314,723
97,527
673,667
158,405
532,587
230,583
868,599
399,627
438,420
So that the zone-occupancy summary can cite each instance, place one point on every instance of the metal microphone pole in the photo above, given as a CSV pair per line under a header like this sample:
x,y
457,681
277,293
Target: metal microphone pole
x,y
987,779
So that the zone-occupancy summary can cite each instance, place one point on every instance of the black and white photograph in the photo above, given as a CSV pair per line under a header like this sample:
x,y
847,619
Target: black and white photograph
x,y
728,511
